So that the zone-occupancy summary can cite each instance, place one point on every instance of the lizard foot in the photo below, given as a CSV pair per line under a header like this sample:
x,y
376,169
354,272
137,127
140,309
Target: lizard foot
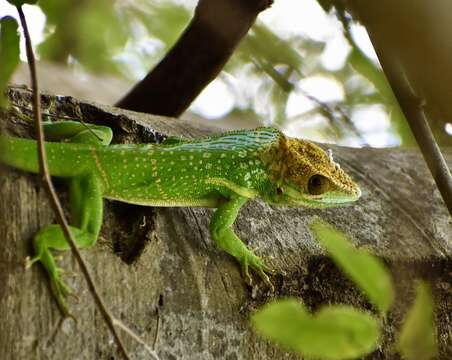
x,y
61,291
257,265
59,288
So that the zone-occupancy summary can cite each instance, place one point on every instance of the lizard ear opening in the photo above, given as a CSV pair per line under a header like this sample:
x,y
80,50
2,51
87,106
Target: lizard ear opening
x,y
317,184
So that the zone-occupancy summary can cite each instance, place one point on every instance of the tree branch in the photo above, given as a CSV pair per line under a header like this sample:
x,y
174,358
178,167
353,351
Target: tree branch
x,y
196,59
412,107
202,300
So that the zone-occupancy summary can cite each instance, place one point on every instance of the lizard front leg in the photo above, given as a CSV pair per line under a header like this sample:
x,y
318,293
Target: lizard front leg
x,y
227,240
86,208
77,132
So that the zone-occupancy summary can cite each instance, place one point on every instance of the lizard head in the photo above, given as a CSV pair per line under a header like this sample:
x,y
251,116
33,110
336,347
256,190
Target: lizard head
x,y
307,176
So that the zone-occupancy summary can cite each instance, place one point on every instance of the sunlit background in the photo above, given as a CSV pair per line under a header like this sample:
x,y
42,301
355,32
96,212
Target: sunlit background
x,y
312,74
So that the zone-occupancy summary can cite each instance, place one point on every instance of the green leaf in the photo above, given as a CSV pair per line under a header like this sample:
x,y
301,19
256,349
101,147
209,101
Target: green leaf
x,y
334,332
91,32
9,52
417,339
365,270
22,2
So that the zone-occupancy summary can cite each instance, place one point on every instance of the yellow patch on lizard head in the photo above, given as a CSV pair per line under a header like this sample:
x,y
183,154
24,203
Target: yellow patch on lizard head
x,y
309,176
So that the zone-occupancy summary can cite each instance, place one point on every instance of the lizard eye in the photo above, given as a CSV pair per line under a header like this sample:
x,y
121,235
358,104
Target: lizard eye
x,y
279,191
317,184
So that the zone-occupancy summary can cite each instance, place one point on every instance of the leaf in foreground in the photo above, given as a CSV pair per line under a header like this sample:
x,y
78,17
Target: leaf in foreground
x,y
9,52
364,269
333,333
417,339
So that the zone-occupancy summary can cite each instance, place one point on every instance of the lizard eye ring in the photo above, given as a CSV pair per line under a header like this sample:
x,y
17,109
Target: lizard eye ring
x,y
279,191
317,184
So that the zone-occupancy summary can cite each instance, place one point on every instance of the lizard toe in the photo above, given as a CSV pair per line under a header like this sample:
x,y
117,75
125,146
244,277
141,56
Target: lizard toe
x,y
246,273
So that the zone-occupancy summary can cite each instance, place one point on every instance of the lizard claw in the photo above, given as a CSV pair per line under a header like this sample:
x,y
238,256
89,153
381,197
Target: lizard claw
x,y
60,294
246,274
258,265
262,272
61,291
59,288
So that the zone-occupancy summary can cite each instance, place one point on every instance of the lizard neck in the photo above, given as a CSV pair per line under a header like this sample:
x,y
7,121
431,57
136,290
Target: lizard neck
x,y
274,159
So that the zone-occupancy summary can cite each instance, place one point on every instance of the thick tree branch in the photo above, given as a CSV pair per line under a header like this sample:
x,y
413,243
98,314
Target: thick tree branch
x,y
196,59
186,296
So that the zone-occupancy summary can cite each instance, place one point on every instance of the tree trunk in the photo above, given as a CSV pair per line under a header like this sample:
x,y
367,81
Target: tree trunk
x,y
162,275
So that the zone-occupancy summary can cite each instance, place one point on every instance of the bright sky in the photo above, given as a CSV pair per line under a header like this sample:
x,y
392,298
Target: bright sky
x,y
286,17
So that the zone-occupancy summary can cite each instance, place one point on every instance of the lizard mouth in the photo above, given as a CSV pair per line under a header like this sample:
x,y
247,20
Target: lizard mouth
x,y
330,199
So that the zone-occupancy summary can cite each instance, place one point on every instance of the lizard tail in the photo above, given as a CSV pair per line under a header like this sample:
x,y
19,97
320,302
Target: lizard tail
x,y
23,154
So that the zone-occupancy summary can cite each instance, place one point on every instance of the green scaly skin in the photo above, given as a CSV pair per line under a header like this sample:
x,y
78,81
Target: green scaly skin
x,y
222,172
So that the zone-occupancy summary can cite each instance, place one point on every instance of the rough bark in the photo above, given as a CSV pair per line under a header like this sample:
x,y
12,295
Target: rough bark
x,y
158,268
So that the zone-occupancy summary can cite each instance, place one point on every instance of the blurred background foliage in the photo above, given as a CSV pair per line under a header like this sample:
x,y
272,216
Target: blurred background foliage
x,y
323,87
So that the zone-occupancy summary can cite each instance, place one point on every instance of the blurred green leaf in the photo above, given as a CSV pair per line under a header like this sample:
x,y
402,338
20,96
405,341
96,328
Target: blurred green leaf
x,y
334,332
90,32
164,21
154,29
368,69
263,46
9,52
363,65
366,270
417,339
22,2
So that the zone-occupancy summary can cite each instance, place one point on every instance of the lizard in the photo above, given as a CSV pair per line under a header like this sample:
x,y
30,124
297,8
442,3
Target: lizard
x,y
223,171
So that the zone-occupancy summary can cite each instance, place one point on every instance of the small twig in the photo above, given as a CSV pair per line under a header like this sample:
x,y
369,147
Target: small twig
x,y
329,111
412,107
43,169
366,68
134,336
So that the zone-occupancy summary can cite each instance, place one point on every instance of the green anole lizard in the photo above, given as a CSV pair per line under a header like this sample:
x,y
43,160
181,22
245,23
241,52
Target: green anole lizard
x,y
221,172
